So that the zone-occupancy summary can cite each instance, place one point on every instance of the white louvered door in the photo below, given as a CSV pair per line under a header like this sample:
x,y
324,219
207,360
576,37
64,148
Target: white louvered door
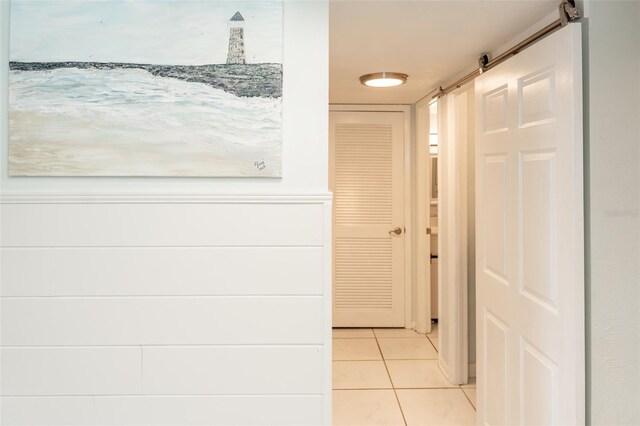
x,y
367,180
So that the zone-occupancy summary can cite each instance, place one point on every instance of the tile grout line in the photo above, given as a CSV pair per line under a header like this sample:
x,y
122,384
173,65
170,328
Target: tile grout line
x,y
393,386
468,399
434,346
460,386
390,379
411,388
385,337
389,359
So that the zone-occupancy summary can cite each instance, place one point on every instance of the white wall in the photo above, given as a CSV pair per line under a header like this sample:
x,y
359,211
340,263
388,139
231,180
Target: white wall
x,y
160,301
612,180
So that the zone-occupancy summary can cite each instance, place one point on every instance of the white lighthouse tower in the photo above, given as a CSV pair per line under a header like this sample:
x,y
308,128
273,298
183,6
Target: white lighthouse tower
x,y
236,53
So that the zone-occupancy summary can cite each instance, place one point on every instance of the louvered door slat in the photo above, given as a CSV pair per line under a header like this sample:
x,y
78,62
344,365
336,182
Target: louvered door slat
x,y
367,183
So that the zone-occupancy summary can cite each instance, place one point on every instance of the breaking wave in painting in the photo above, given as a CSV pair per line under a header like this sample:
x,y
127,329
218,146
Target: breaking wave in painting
x,y
127,122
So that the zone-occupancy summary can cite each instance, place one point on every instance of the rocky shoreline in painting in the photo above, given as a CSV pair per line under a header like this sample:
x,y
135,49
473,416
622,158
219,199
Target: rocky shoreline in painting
x,y
243,80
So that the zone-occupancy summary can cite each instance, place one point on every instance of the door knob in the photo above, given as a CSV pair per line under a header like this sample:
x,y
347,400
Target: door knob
x,y
396,231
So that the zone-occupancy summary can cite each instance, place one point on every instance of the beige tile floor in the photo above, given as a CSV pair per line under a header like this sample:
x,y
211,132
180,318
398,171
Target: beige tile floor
x,y
391,377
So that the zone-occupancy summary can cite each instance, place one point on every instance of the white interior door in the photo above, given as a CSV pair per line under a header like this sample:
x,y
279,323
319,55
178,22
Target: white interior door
x,y
530,284
452,237
367,180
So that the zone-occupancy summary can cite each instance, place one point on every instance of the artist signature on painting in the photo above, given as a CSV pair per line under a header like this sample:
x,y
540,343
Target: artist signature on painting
x,y
260,165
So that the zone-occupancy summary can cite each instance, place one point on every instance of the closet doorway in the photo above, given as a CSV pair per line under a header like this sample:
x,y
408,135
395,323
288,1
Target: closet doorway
x,y
371,245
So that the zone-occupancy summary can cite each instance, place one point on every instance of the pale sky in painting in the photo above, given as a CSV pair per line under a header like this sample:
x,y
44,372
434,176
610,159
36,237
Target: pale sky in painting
x,y
167,32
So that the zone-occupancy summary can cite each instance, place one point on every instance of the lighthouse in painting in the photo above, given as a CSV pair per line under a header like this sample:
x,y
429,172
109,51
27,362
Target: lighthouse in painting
x,y
236,40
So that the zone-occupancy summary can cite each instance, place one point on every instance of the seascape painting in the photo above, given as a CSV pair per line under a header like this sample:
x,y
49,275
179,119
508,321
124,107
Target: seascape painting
x,y
145,88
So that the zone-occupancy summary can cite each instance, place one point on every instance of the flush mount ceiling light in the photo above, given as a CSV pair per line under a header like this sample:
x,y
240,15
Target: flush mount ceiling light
x,y
384,79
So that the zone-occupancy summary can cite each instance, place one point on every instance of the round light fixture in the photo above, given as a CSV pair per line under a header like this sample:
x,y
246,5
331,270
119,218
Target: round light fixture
x,y
384,79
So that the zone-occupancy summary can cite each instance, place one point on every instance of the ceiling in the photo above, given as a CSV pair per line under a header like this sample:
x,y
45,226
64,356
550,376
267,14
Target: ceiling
x,y
432,41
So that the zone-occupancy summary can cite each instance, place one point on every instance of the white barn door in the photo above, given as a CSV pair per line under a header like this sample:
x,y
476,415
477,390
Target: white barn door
x,y
530,244
367,180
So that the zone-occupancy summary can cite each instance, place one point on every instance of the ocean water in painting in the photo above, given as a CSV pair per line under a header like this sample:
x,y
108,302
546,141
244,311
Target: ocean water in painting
x,y
70,121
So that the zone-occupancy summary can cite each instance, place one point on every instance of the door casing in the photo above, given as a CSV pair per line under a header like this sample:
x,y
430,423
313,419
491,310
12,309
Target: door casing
x,y
423,220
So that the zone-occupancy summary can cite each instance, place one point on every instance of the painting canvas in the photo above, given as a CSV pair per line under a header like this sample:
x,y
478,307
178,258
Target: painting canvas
x,y
145,88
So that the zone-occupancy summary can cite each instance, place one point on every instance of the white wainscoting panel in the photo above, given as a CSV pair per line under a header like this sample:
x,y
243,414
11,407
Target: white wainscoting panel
x,y
248,370
165,310
290,410
161,225
71,371
48,410
158,271
162,320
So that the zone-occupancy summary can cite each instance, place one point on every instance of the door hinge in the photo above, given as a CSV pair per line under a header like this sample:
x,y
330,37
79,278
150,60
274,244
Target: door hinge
x,y
428,231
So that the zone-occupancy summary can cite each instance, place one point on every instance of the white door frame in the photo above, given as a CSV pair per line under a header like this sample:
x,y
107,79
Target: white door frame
x,y
406,109
423,220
